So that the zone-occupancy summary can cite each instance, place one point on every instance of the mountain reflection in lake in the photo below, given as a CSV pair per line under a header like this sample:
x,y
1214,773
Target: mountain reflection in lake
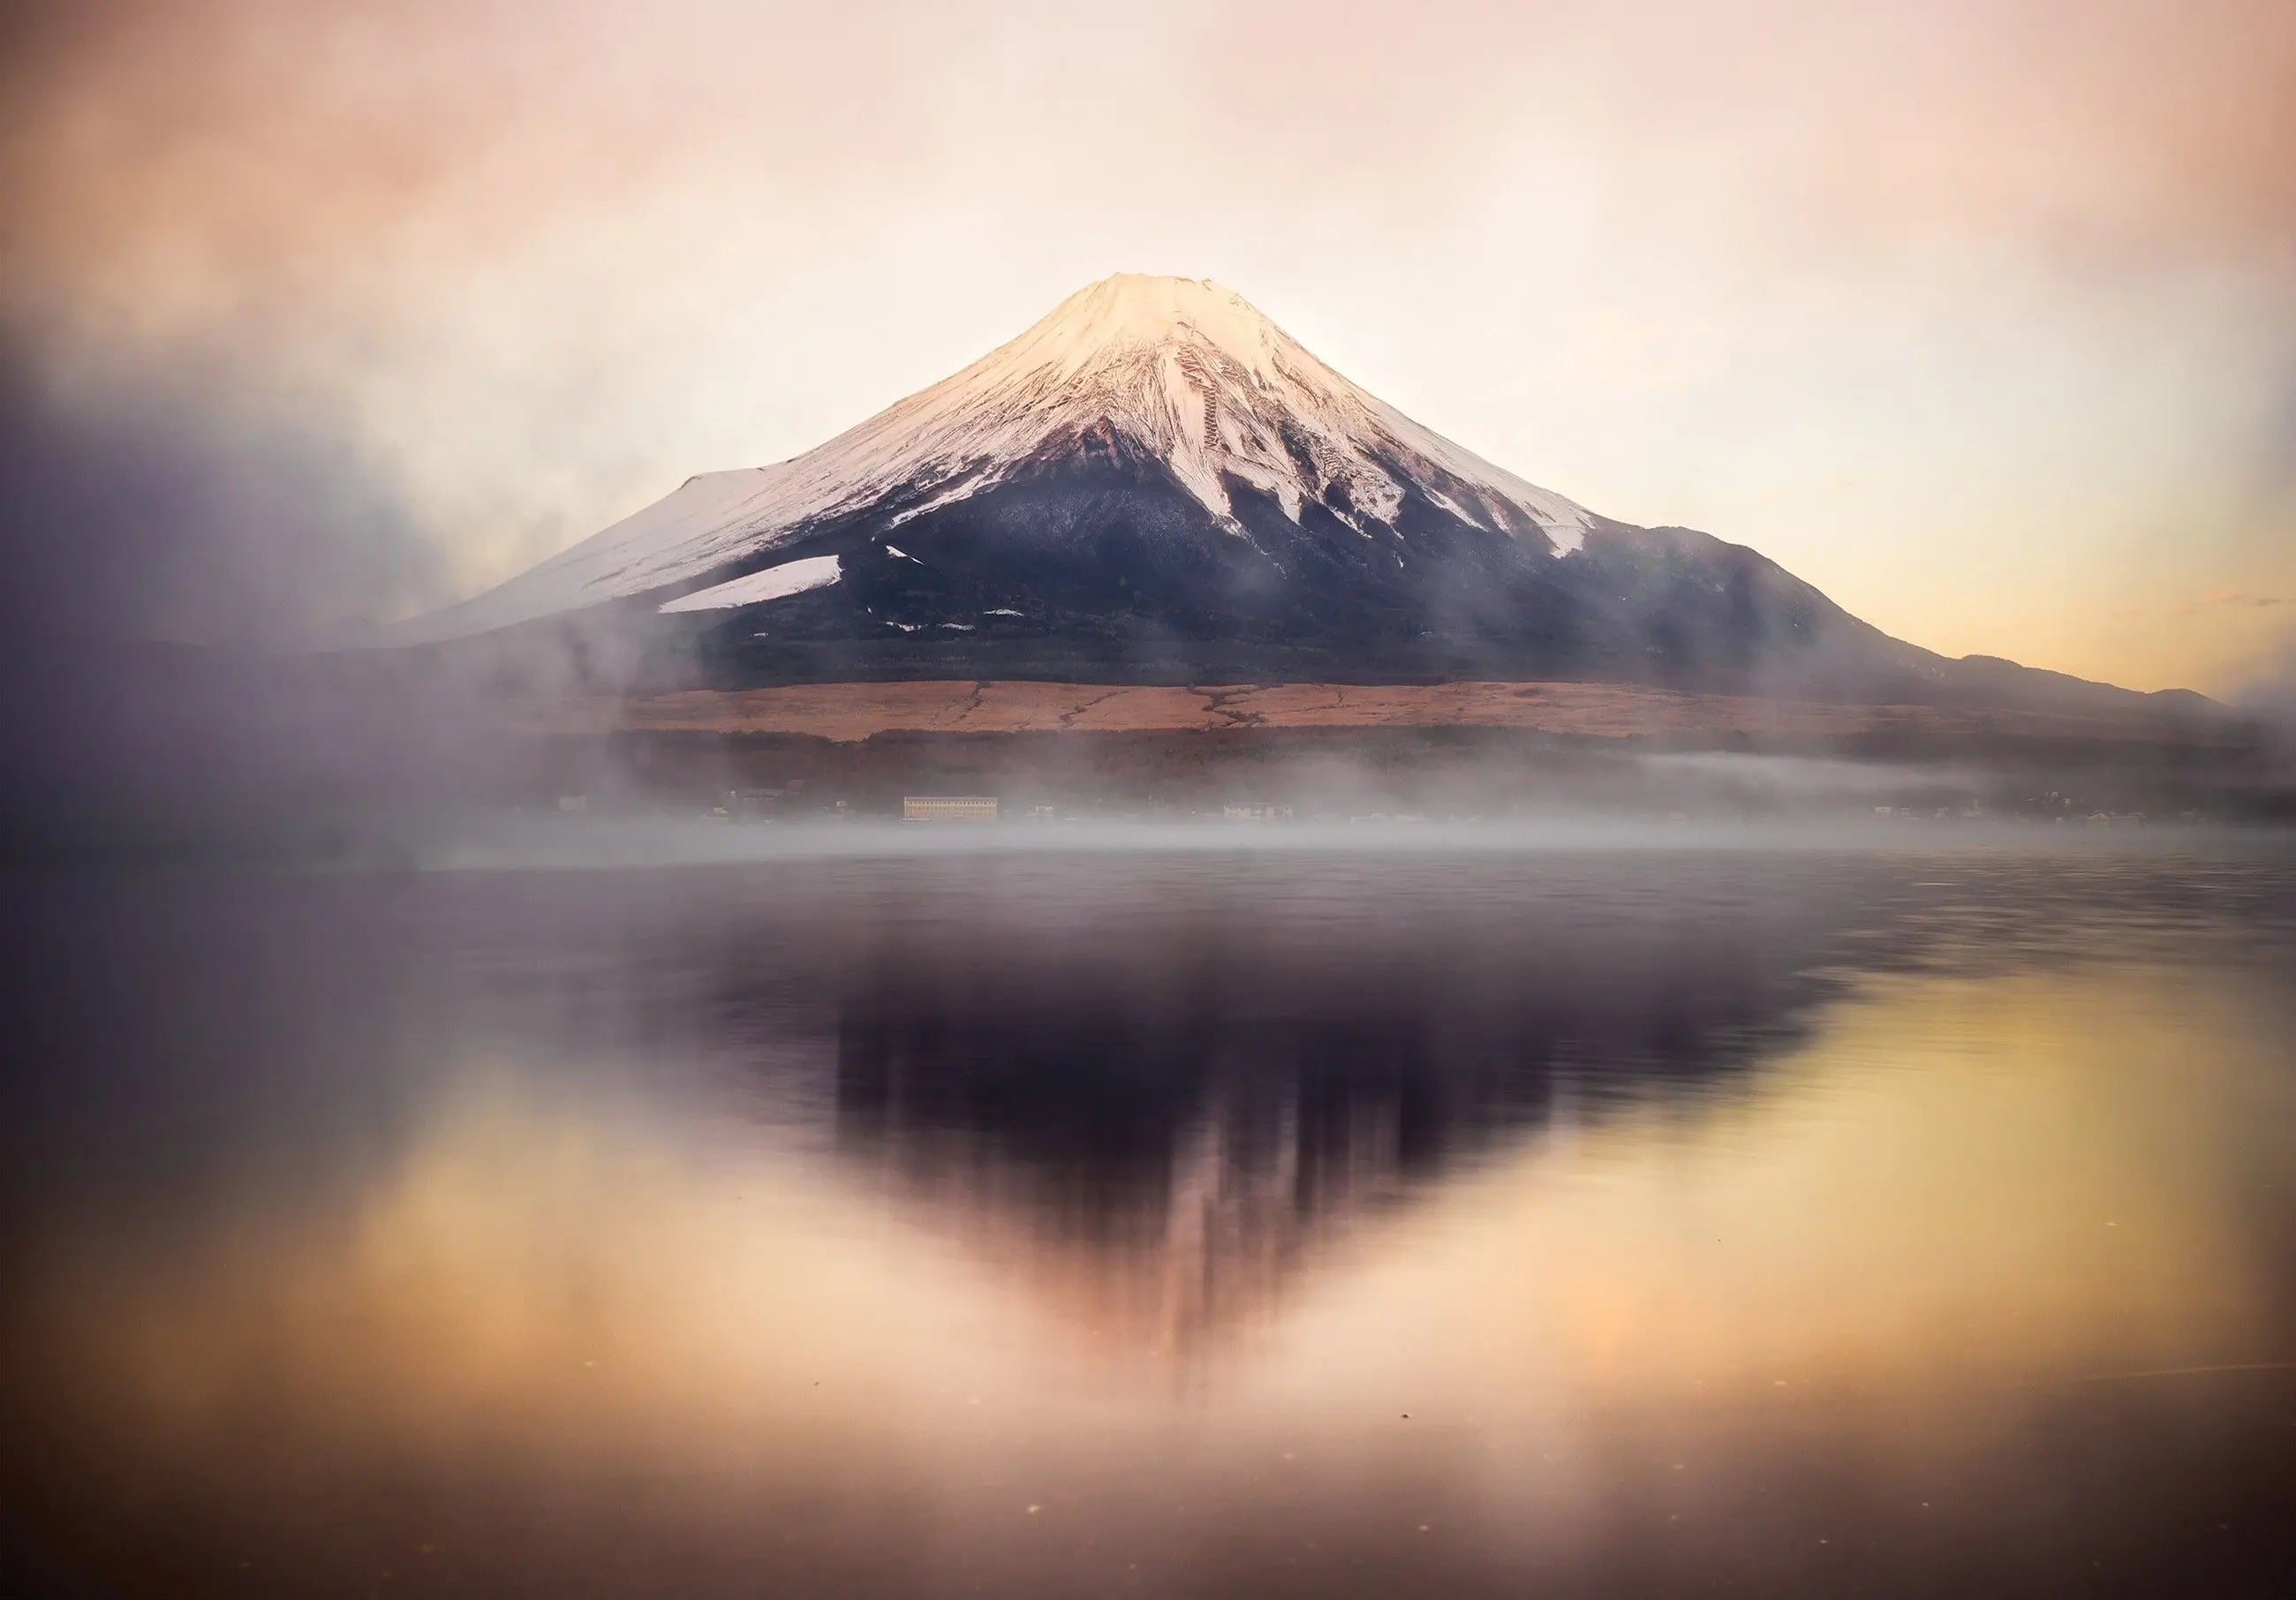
x,y
1172,1223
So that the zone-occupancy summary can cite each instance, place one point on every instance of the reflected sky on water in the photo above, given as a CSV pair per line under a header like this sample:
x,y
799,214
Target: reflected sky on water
x,y
1165,1223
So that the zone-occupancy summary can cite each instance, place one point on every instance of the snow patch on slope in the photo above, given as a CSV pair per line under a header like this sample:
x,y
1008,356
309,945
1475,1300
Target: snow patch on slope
x,y
774,583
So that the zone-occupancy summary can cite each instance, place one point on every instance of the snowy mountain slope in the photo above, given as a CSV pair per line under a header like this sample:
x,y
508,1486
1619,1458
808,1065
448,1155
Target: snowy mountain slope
x,y
1183,371
1155,483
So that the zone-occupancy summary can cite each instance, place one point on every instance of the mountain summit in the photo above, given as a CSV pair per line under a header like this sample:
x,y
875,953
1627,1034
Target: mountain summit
x,y
1157,481
1178,371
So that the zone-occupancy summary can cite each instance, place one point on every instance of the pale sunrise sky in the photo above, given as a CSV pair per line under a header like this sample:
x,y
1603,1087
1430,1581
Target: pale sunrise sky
x,y
1981,317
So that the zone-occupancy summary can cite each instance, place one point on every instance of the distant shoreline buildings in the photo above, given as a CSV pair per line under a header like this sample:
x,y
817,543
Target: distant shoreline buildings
x,y
949,807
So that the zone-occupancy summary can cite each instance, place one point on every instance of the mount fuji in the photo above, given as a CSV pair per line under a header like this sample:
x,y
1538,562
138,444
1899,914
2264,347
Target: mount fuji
x,y
1156,482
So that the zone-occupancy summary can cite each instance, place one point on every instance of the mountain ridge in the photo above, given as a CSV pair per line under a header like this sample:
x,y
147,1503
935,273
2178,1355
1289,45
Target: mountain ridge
x,y
1156,482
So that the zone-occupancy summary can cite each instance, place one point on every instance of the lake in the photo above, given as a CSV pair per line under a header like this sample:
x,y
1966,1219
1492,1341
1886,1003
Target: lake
x,y
1492,1215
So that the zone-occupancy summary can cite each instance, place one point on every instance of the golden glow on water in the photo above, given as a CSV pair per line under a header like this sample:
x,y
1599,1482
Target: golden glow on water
x,y
549,1277
1961,1183
1959,1193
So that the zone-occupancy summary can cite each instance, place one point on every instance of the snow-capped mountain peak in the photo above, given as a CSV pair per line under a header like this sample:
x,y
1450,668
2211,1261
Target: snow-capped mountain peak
x,y
1155,483
1182,370
1137,311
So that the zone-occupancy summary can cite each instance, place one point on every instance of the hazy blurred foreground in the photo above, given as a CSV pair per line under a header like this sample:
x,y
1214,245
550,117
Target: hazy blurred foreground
x,y
1351,1212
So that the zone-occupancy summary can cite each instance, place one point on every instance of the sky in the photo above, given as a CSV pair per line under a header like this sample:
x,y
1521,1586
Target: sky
x,y
1980,316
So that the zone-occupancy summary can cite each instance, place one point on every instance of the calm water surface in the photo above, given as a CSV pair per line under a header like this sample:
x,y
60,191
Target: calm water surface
x,y
1211,1222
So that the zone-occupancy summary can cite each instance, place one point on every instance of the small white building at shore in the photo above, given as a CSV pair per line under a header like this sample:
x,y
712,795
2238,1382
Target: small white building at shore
x,y
949,807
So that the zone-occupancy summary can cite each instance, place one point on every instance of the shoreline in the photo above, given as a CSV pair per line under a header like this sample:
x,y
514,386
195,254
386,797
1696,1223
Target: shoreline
x,y
851,713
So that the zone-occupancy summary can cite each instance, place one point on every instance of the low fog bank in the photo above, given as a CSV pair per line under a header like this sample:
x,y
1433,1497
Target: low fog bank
x,y
142,749
1407,775
149,750
542,843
